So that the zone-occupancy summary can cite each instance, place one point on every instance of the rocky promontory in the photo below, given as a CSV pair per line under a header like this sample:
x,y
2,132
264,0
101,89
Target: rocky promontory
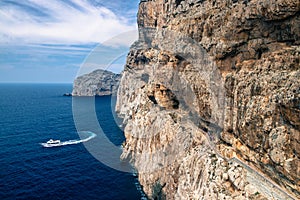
x,y
210,97
97,83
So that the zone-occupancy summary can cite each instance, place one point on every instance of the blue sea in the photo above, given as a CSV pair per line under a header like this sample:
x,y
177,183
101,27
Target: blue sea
x,y
31,114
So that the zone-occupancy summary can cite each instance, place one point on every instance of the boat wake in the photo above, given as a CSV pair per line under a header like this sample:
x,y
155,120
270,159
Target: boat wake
x,y
69,142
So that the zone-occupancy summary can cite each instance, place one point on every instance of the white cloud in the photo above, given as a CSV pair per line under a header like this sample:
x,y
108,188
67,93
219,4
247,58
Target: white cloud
x,y
123,39
60,22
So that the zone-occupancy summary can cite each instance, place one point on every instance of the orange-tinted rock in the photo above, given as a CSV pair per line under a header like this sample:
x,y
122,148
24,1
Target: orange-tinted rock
x,y
255,48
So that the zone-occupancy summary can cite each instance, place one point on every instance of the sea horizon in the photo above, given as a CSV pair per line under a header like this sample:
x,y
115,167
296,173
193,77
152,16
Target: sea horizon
x,y
32,114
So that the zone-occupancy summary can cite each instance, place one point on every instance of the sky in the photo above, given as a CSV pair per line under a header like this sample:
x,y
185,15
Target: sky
x,y
54,41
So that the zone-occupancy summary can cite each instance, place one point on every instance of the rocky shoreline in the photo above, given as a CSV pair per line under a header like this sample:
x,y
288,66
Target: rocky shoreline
x,y
97,83
210,99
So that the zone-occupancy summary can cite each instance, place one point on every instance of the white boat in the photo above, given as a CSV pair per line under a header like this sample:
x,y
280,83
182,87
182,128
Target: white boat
x,y
53,141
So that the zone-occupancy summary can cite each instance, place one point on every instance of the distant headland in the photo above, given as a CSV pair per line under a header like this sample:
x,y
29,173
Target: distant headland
x,y
97,83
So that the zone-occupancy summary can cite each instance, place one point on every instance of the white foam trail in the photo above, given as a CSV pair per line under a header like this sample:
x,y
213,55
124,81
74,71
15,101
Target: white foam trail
x,y
69,142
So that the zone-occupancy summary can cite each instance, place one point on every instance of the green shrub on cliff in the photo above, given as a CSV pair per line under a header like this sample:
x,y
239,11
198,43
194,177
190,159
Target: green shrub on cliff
x,y
157,193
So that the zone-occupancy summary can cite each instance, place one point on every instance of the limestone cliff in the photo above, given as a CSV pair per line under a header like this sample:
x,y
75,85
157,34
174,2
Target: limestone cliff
x,y
97,83
210,96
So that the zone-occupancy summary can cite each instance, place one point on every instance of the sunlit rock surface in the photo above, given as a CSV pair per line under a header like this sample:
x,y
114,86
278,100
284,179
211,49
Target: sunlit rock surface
x,y
210,97
97,83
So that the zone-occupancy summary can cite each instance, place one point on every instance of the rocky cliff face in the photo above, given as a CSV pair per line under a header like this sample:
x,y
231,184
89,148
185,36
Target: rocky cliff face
x,y
210,96
97,83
